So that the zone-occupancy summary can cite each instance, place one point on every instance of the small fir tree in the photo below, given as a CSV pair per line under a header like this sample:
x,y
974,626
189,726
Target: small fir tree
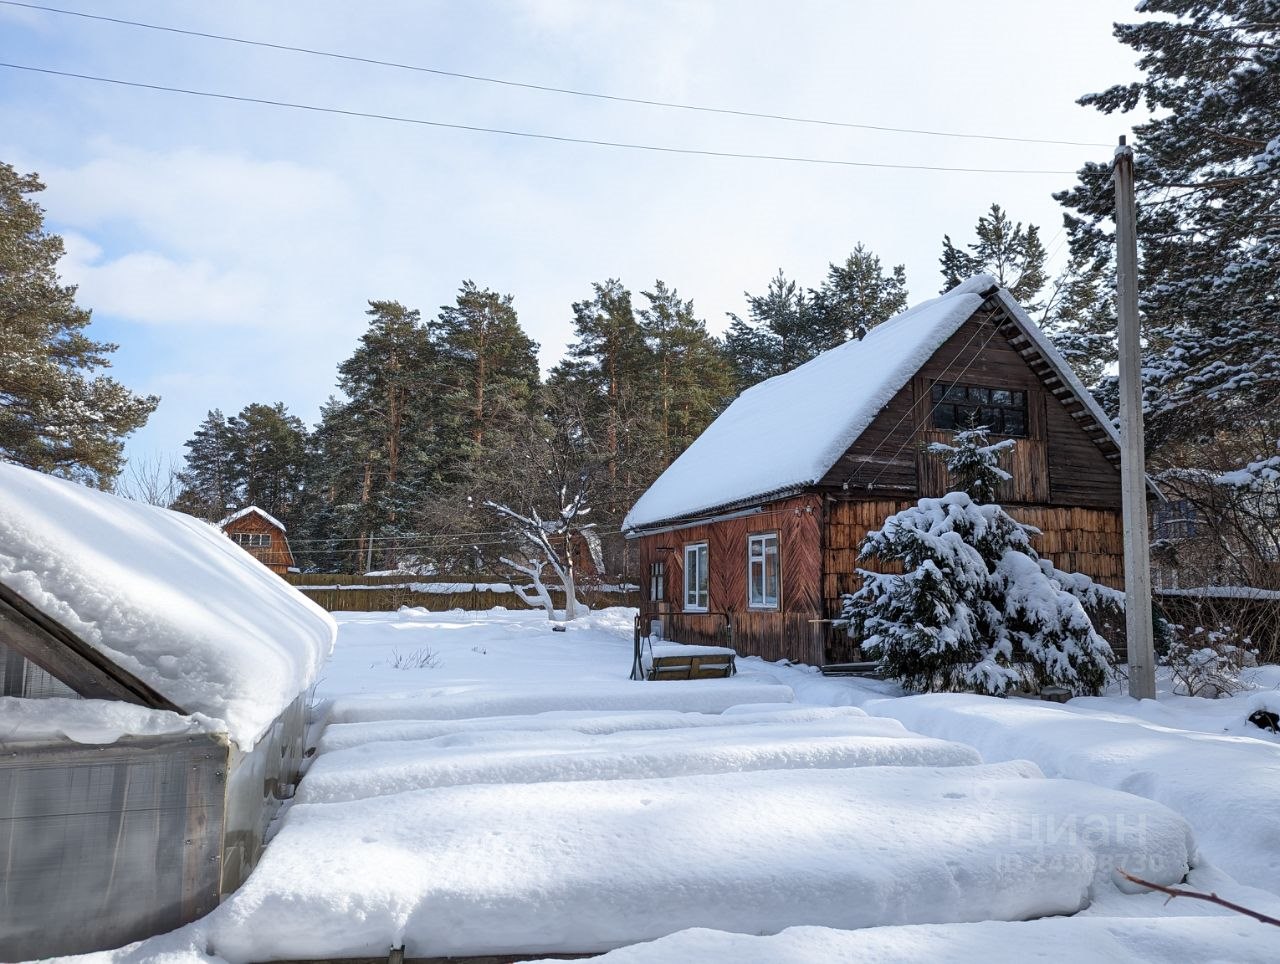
x,y
975,607
973,463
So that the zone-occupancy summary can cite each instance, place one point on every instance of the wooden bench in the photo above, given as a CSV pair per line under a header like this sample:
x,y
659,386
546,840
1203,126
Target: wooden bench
x,y
672,661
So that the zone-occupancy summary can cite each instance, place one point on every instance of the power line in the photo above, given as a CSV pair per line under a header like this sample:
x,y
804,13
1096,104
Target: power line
x,y
513,133
545,88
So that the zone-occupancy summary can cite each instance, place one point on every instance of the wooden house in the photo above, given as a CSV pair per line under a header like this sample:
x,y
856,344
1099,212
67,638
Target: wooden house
x,y
753,532
152,714
261,535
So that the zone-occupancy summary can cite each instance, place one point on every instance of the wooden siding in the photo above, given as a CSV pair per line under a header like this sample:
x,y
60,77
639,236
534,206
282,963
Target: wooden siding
x,y
1027,463
1058,463
1079,474
789,632
277,557
1077,539
883,458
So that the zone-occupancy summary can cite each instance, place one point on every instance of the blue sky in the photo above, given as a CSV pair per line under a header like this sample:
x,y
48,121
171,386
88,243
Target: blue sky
x,y
230,249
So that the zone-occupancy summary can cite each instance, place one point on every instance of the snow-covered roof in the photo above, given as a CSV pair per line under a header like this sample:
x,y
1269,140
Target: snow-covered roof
x,y
787,431
251,510
164,596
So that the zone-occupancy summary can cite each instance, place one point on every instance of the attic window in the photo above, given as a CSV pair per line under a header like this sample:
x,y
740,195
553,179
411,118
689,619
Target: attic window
x,y
1002,410
252,540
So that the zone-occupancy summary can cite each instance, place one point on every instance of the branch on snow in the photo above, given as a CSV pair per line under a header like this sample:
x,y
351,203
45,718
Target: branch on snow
x,y
1198,895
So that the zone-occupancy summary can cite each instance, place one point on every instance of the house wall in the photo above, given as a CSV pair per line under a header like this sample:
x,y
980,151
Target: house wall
x,y
788,632
276,556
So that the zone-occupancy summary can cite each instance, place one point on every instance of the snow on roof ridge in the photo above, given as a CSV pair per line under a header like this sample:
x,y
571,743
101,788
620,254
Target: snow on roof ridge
x,y
758,446
248,510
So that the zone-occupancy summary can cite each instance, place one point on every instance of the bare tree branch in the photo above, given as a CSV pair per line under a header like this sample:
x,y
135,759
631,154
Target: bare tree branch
x,y
1198,895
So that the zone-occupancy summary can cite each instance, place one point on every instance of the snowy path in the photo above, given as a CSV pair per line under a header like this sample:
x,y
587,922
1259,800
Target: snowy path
x,y
519,795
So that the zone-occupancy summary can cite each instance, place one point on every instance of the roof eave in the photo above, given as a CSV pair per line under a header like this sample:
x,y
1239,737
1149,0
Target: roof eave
x,y
714,512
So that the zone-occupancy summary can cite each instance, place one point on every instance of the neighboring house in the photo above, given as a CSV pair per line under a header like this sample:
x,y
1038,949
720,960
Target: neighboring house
x,y
261,535
1213,532
152,714
757,524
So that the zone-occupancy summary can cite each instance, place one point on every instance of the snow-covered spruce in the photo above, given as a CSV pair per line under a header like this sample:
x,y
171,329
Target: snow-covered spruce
x,y
975,607
973,463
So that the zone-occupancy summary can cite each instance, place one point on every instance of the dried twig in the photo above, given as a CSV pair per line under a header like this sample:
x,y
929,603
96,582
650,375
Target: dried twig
x,y
1197,895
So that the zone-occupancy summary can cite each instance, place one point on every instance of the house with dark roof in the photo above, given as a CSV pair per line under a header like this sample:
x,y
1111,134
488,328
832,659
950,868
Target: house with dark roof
x,y
263,536
753,532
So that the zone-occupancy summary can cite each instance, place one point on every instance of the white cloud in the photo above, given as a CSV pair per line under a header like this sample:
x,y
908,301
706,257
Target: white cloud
x,y
206,232
151,288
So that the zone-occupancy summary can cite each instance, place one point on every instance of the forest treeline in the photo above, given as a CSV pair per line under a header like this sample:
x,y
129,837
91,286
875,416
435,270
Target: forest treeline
x,y
434,416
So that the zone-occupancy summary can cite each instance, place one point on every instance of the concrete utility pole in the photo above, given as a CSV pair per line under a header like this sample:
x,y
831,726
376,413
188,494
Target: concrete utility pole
x,y
1133,472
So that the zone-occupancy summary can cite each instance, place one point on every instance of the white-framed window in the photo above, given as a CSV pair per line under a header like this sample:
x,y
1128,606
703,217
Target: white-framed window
x,y
696,596
762,571
254,540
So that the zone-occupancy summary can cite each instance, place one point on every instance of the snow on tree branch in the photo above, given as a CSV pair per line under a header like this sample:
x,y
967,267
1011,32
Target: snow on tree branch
x,y
973,463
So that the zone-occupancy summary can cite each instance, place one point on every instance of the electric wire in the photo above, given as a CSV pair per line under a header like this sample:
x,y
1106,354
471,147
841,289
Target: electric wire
x,y
532,135
545,88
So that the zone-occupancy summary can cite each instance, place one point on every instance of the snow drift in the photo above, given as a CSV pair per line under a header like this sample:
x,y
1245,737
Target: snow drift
x,y
598,864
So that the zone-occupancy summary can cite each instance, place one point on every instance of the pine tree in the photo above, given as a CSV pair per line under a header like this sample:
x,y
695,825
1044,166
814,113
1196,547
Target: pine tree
x,y
1079,317
488,365
858,295
786,328
209,476
607,367
957,264
691,382
789,325
391,381
975,607
258,457
1208,175
268,449
333,518
1014,255
56,415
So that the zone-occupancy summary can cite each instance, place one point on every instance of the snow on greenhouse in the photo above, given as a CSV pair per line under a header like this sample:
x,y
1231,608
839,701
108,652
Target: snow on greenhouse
x,y
153,713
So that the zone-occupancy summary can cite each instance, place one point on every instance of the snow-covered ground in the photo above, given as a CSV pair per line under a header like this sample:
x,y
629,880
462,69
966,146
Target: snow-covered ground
x,y
1200,757
485,785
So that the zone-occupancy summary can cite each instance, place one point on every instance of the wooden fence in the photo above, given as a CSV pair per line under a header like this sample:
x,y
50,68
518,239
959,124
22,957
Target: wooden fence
x,y
343,592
